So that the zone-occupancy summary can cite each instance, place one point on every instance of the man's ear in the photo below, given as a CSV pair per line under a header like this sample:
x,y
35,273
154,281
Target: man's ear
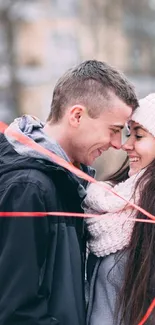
x,y
76,113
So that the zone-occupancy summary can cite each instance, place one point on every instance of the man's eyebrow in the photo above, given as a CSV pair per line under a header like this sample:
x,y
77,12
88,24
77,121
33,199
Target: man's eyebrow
x,y
119,126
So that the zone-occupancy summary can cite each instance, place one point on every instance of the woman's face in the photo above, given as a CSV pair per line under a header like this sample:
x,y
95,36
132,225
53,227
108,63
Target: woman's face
x,y
140,148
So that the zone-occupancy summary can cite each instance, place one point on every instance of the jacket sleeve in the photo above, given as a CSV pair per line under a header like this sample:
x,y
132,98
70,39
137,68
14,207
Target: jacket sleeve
x,y
23,246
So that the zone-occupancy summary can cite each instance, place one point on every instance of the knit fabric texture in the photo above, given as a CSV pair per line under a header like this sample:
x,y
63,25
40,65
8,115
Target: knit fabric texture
x,y
112,229
145,113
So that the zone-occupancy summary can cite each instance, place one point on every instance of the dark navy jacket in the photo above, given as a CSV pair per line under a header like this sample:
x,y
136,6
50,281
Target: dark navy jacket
x,y
41,258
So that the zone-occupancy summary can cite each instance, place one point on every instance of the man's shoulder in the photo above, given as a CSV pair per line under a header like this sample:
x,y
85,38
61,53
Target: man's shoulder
x,y
28,176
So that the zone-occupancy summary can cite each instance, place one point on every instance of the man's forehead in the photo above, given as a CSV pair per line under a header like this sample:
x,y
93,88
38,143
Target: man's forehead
x,y
117,116
116,102
119,110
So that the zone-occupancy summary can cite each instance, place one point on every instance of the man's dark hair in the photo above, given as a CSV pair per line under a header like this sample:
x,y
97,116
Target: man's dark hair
x,y
87,84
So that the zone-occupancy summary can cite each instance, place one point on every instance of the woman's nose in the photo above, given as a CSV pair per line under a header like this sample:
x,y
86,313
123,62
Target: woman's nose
x,y
128,144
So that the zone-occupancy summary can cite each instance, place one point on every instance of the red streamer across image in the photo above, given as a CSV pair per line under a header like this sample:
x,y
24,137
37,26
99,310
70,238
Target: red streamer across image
x,y
148,313
69,166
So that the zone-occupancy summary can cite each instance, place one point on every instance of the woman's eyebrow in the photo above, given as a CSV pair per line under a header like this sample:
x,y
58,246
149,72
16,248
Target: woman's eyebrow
x,y
139,127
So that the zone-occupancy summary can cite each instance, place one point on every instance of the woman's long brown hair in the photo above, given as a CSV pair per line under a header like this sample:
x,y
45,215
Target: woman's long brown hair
x,y
138,287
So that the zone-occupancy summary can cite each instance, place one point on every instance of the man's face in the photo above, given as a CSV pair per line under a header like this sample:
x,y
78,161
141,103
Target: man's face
x,y
93,136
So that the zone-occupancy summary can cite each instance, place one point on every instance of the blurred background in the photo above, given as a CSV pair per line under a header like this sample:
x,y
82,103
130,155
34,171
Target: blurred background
x,y
40,39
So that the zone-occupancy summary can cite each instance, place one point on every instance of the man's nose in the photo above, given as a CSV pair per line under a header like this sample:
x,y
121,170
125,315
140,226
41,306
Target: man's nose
x,y
116,141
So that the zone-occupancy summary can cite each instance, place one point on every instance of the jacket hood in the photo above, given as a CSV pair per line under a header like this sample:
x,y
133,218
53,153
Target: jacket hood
x,y
33,128
10,160
15,155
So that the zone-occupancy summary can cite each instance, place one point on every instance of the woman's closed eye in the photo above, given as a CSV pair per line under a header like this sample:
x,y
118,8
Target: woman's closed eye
x,y
138,136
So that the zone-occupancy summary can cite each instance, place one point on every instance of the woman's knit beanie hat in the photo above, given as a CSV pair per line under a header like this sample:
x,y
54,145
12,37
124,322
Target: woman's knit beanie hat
x,y
145,113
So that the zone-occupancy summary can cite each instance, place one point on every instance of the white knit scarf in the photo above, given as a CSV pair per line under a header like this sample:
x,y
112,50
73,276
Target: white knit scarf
x,y
112,230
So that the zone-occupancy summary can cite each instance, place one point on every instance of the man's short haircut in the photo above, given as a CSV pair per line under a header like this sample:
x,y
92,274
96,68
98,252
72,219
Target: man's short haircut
x,y
89,84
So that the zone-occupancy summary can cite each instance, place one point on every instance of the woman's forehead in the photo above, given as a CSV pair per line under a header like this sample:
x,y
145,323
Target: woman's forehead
x,y
135,126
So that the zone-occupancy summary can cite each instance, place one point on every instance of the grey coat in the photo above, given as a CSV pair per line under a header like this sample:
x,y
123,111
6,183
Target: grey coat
x,y
104,288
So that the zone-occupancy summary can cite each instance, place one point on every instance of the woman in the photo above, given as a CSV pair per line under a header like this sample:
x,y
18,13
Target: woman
x,y
123,280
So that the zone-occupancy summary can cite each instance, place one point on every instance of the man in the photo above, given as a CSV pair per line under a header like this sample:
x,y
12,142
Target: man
x,y
42,259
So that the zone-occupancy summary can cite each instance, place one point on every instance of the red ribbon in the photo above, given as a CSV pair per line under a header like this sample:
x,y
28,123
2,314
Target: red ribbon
x,y
30,143
60,161
148,313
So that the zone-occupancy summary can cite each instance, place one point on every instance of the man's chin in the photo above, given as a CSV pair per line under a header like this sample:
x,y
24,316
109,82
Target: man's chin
x,y
90,161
